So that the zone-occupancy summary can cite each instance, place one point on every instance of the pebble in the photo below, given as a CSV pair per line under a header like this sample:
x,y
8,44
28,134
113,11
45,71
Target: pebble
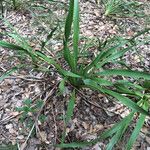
x,y
20,137
147,140
12,131
9,126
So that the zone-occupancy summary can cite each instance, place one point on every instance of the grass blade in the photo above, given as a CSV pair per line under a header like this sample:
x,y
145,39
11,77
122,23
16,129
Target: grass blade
x,y
69,21
69,114
121,129
128,73
10,46
137,129
57,66
105,54
126,101
48,37
76,30
70,108
8,73
18,48
104,135
67,54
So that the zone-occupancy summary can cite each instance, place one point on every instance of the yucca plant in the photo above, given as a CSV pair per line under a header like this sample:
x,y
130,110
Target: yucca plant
x,y
120,7
94,76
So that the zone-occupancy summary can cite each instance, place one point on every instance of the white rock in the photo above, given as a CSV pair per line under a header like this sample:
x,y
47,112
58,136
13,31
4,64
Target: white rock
x,y
9,126
20,137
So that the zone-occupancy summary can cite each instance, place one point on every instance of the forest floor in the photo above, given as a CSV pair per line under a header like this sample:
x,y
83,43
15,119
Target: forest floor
x,y
93,113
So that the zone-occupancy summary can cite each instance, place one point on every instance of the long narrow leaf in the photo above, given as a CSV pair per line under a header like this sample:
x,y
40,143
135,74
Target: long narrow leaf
x,y
58,67
69,21
137,129
48,37
121,129
126,101
76,30
69,114
67,54
122,72
102,55
104,135
10,46
8,73
70,108
18,48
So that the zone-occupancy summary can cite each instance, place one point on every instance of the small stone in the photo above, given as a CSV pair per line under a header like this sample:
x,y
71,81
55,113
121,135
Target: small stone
x,y
12,131
9,126
147,140
20,137
85,125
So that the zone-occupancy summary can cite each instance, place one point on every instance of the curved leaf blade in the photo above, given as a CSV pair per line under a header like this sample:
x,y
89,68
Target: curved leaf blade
x,y
127,73
137,129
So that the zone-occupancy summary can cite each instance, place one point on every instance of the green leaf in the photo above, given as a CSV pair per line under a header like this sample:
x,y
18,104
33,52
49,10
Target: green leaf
x,y
121,129
62,86
128,73
137,129
104,54
48,60
112,53
76,31
8,73
69,57
39,104
48,37
146,84
10,46
102,81
113,56
126,101
69,114
69,20
21,41
70,108
27,102
18,48
53,62
70,74
19,109
104,135
114,140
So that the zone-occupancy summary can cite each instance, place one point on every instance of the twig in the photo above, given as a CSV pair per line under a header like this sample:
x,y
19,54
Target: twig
x,y
27,78
18,146
5,120
24,144
55,124
9,118
85,99
36,121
